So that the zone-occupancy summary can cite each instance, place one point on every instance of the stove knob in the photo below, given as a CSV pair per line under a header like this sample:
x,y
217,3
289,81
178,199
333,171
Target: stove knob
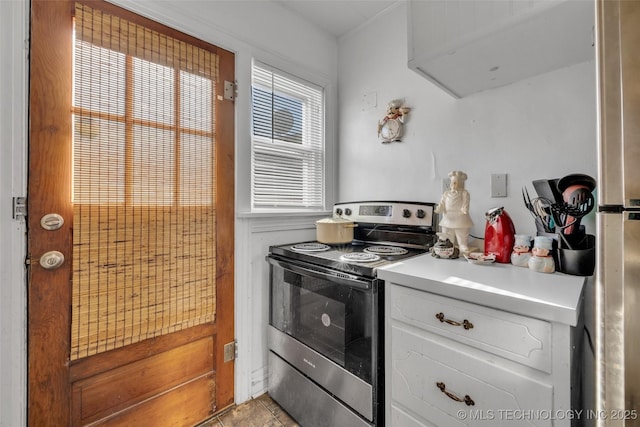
x,y
347,211
406,213
338,211
420,213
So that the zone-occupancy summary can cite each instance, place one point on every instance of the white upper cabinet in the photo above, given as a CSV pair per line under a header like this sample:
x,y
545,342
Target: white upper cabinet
x,y
466,46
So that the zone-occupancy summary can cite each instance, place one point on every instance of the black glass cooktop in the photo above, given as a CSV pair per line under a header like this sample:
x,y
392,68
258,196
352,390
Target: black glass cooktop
x,y
355,258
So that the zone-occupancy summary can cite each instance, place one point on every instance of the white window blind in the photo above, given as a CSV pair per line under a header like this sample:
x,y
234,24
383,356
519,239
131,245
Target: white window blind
x,y
287,136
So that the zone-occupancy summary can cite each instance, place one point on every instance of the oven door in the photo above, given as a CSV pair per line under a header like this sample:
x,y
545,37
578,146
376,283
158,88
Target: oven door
x,y
325,324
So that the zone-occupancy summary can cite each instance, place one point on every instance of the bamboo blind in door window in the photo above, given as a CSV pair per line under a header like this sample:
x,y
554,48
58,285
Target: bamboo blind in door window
x,y
144,259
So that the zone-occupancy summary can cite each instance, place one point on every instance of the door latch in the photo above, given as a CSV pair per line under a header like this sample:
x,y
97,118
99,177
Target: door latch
x,y
19,207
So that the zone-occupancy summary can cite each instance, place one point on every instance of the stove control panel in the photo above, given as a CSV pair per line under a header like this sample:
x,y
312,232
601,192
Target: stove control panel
x,y
395,213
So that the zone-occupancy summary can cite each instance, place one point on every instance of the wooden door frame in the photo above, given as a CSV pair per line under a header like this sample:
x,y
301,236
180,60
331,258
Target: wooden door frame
x,y
225,231
49,306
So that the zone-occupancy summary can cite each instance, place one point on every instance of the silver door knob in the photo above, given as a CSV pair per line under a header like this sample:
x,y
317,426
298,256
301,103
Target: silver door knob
x,y
51,260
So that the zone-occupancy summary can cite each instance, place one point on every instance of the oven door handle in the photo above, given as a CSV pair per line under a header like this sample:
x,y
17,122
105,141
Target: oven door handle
x,y
322,273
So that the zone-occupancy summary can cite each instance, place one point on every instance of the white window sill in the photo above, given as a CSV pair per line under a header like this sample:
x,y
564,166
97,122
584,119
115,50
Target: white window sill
x,y
275,213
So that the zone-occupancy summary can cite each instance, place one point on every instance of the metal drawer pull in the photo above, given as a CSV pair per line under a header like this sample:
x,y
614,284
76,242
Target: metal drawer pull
x,y
465,323
468,400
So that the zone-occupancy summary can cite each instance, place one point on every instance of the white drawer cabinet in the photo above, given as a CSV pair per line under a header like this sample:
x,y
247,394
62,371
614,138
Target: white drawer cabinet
x,y
522,339
455,356
436,382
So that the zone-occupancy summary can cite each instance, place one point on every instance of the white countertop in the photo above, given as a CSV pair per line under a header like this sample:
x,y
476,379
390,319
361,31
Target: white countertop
x,y
554,297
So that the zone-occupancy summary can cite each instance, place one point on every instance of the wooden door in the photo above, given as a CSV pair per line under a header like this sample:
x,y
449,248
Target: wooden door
x,y
130,299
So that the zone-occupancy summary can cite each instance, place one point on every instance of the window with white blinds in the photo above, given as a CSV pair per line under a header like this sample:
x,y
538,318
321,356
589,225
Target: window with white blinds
x,y
287,136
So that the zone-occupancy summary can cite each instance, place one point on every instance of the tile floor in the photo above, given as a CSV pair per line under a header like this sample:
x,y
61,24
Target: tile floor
x,y
259,412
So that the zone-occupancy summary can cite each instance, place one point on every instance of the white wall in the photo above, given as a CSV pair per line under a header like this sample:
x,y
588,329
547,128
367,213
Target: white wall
x,y
13,119
543,127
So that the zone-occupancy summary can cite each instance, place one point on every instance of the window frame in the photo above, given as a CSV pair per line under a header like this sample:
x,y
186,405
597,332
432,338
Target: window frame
x,y
302,151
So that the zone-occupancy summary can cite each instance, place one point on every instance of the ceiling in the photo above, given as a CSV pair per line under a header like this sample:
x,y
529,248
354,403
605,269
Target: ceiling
x,y
337,17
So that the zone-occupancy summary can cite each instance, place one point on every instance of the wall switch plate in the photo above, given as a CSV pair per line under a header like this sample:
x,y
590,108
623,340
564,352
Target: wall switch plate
x,y
498,185
445,184
369,101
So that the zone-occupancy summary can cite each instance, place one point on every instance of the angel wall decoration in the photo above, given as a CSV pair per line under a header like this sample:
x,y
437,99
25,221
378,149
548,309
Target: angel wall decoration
x,y
390,126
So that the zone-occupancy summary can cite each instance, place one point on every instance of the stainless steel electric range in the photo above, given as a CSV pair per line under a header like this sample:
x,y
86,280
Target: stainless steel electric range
x,y
325,333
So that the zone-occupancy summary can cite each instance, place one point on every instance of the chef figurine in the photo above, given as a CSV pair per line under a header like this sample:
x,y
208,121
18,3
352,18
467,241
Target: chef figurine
x,y
454,207
541,259
521,250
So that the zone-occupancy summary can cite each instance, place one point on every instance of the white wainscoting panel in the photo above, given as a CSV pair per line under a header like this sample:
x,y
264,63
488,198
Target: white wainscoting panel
x,y
253,238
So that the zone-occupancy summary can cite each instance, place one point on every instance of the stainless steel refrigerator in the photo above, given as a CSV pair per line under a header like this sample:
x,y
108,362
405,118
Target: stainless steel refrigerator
x,y
618,264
